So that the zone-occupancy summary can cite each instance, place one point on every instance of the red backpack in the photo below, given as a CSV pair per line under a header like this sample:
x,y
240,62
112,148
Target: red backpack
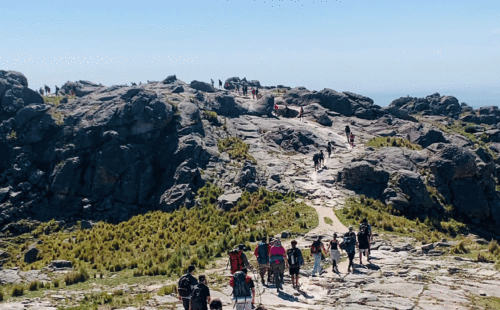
x,y
236,261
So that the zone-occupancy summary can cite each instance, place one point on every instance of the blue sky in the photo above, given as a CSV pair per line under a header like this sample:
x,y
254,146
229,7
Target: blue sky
x,y
382,49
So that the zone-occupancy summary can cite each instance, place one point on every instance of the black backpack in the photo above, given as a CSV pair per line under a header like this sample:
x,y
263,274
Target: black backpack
x,y
316,247
241,288
316,158
216,304
345,242
197,301
363,230
294,257
263,254
184,286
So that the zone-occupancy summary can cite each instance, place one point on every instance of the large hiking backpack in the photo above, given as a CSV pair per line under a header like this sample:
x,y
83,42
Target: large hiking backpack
x,y
344,245
316,158
184,286
236,261
197,301
294,257
263,257
216,304
363,231
240,288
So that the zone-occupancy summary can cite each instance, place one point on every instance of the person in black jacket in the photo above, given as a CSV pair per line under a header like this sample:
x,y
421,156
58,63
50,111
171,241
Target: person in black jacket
x,y
200,297
184,297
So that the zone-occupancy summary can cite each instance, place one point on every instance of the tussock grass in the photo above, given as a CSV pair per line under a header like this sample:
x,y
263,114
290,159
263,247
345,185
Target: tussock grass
x,y
211,116
380,142
17,290
484,303
168,289
164,244
76,277
236,148
53,100
328,220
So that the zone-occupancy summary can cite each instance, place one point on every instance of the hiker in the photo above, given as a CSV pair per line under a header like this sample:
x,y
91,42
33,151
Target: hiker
x,y
212,83
200,296
321,158
333,247
238,259
349,245
277,263
295,260
316,161
301,113
351,139
347,132
47,89
226,86
270,275
246,90
316,250
257,92
216,304
262,254
220,84
363,244
276,109
253,93
329,149
57,90
185,287
243,290
41,91
238,88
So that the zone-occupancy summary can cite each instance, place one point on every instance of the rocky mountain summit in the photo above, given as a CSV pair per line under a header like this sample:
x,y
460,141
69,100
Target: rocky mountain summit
x,y
111,152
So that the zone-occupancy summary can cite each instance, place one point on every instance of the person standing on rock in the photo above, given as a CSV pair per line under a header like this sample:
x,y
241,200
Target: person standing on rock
x,y
347,132
349,244
57,90
238,88
212,83
257,92
262,254
316,161
351,139
333,247
41,91
47,89
364,243
295,260
243,290
185,287
317,248
329,149
321,158
301,113
278,262
200,297
253,93
220,84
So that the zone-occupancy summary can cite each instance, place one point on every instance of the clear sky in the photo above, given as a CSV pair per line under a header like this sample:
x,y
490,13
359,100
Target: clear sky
x,y
382,49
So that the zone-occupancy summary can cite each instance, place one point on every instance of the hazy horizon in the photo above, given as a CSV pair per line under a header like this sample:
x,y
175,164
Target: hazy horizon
x,y
383,50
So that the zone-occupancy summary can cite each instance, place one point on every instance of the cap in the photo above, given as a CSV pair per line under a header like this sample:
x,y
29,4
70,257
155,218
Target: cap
x,y
350,228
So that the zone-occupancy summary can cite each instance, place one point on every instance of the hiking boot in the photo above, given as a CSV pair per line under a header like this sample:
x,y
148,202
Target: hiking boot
x,y
263,282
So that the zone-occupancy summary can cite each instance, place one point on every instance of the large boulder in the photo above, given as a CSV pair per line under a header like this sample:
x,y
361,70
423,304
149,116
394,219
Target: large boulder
x,y
362,177
224,105
434,104
335,101
202,86
228,201
412,184
31,255
426,137
170,79
261,107
80,88
451,163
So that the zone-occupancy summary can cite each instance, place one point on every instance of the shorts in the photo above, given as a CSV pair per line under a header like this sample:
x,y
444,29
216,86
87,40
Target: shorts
x,y
294,270
263,268
363,251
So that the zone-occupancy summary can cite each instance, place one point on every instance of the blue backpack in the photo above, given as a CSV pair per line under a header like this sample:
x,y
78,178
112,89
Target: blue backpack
x,y
263,257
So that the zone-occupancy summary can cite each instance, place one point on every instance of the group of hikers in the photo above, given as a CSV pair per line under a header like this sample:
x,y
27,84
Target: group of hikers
x,y
272,260
244,88
47,90
349,135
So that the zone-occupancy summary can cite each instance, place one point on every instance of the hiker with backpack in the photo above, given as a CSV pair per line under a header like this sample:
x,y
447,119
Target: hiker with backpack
x,y
220,84
238,259
351,139
253,93
349,245
47,89
200,296
321,158
317,248
185,287
243,290
316,161
277,263
295,260
347,132
41,91
257,92
364,241
262,254
329,149
333,247
212,81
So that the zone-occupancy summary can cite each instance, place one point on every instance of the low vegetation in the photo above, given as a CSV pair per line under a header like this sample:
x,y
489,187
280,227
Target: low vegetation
x,y
236,148
484,303
211,116
384,218
380,142
160,243
12,135
53,100
328,220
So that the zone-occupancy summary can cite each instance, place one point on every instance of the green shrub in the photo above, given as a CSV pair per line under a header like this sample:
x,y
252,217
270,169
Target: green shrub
x,y
18,290
211,116
236,148
33,286
168,290
380,142
76,277
56,283
1,295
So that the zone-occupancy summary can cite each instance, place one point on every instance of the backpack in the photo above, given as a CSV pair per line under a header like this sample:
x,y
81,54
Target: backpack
x,y
294,257
184,286
236,261
316,158
197,301
241,288
363,230
216,304
346,242
347,129
263,257
315,248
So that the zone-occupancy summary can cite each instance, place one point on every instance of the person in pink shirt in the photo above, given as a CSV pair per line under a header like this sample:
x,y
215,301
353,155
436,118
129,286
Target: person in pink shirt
x,y
278,262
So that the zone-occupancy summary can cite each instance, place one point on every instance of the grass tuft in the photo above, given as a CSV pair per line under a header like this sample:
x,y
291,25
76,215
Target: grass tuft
x,y
236,148
380,142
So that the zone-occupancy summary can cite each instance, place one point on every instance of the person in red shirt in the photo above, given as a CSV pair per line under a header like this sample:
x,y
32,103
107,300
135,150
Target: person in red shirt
x,y
244,302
